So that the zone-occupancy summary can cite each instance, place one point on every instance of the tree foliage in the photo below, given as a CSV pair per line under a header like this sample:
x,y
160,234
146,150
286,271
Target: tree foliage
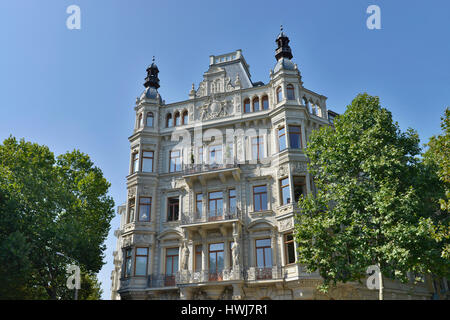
x,y
49,205
372,195
437,158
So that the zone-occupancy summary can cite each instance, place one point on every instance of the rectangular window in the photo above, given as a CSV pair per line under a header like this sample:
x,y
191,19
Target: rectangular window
x,y
145,204
141,262
263,253
215,154
128,253
147,161
171,261
232,200
260,198
257,148
199,204
281,139
299,187
135,162
216,261
289,248
295,137
175,161
173,208
215,205
198,258
285,191
130,216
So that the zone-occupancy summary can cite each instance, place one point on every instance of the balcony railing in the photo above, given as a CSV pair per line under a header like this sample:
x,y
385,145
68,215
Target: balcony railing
x,y
211,216
266,273
229,274
162,280
199,168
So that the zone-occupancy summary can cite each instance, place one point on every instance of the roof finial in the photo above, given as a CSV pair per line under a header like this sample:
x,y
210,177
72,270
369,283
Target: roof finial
x,y
153,59
281,27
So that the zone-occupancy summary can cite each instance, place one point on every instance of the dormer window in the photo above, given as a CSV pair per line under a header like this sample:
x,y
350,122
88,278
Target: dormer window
x,y
290,92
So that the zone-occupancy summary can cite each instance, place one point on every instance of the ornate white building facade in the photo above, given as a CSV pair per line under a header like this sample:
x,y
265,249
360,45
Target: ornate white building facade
x,y
212,189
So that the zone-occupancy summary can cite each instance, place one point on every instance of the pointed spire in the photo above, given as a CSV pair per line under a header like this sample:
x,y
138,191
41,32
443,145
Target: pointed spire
x,y
283,50
152,79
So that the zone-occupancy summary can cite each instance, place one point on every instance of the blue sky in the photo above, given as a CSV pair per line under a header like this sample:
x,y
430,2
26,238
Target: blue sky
x,y
76,88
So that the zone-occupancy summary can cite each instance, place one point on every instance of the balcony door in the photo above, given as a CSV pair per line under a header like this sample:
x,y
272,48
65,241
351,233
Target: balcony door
x,y
216,261
215,203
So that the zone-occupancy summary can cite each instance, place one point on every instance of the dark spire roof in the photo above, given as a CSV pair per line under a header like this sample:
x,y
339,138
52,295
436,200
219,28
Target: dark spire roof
x,y
152,79
283,50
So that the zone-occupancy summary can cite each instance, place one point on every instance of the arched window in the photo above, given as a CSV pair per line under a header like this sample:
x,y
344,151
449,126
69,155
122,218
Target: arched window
x,y
279,95
185,117
169,120
290,92
265,103
177,119
255,104
247,105
140,121
149,121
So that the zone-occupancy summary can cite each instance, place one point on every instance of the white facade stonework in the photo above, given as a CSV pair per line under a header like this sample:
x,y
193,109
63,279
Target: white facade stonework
x,y
151,260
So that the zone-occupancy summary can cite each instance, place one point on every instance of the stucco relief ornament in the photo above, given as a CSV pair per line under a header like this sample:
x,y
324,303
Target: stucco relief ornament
x,y
235,253
285,224
282,171
184,257
214,109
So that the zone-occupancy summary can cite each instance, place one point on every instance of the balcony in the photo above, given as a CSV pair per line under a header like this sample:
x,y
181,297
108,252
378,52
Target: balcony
x,y
212,217
191,277
202,172
161,281
266,273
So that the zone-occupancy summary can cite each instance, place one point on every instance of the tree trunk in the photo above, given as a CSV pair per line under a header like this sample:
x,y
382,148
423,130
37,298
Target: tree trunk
x,y
380,283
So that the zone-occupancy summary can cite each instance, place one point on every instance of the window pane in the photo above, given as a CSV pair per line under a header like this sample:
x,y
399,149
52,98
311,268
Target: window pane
x,y
141,266
290,252
282,139
247,106
260,258
265,103
268,256
256,105
260,189
150,120
172,251
128,267
216,246
147,165
263,243
263,201
141,251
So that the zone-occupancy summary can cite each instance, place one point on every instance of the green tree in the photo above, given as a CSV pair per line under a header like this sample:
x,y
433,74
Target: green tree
x,y
49,205
437,158
368,206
